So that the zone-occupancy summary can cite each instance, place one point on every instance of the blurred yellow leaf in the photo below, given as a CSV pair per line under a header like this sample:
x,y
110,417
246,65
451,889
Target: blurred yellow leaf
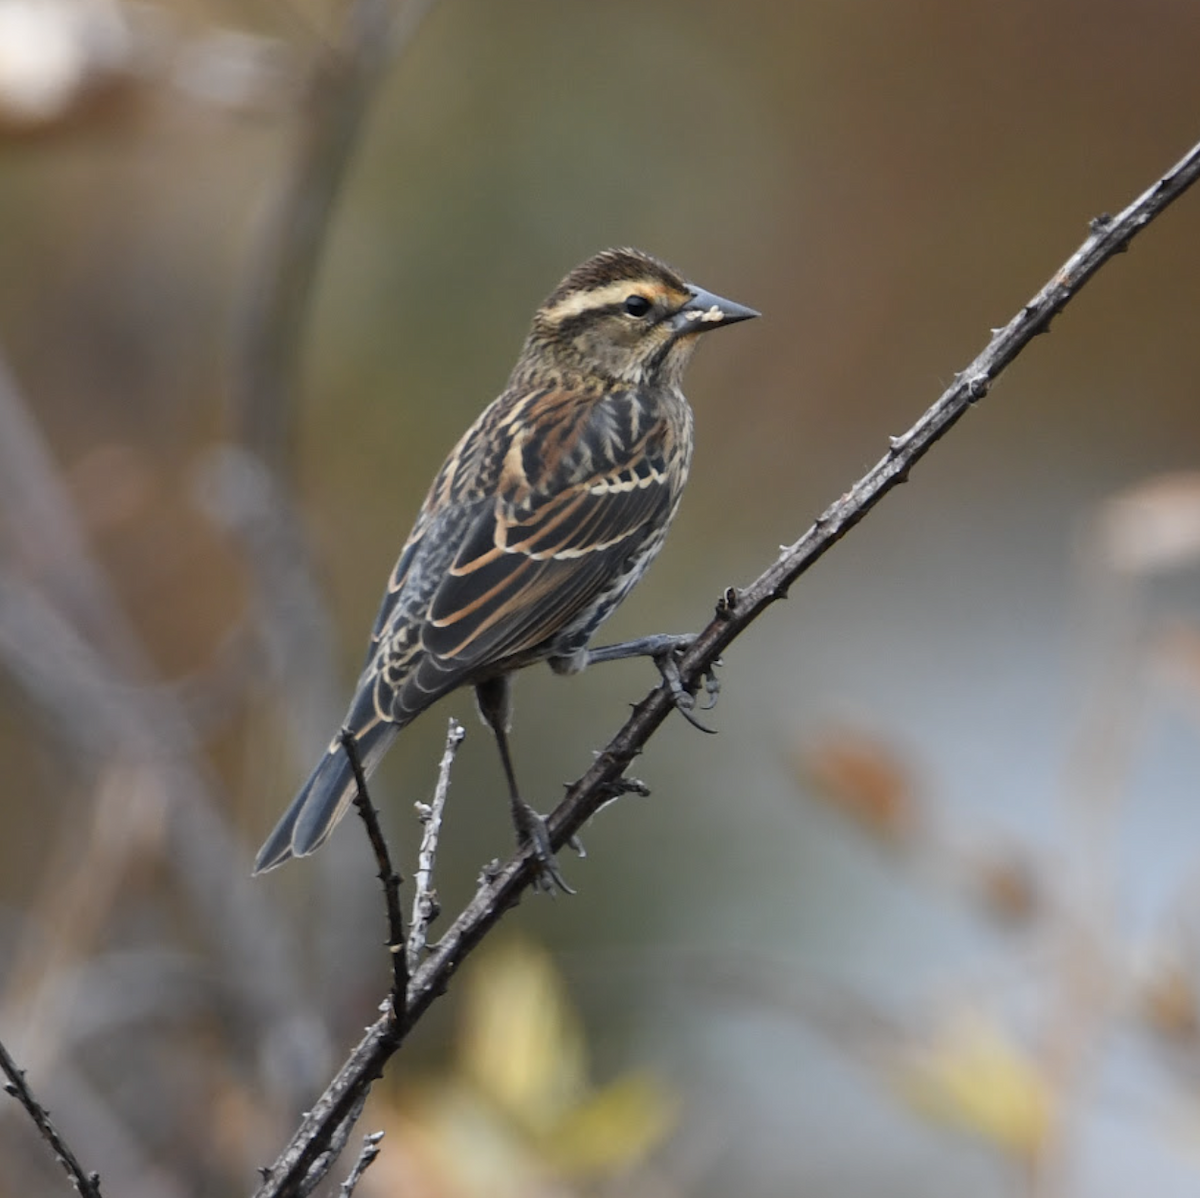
x,y
456,1145
521,1040
523,1062
975,1077
614,1128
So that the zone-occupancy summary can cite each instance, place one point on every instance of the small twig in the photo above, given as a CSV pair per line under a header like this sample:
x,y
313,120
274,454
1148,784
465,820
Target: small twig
x,y
425,902
387,873
370,1150
88,1184
736,611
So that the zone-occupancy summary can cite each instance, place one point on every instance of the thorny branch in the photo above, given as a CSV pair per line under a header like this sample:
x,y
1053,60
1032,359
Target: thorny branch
x,y
388,877
88,1184
736,611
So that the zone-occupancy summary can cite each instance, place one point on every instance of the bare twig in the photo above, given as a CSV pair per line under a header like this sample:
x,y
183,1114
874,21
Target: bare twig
x,y
88,1184
425,901
736,611
370,1150
387,873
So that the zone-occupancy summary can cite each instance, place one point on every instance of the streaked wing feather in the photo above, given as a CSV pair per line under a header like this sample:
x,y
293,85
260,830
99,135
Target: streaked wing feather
x,y
391,595
516,583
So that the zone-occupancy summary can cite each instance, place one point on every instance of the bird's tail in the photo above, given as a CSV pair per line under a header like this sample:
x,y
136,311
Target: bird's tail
x,y
323,799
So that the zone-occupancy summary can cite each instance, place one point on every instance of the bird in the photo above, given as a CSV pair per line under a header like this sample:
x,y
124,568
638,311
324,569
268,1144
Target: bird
x,y
542,519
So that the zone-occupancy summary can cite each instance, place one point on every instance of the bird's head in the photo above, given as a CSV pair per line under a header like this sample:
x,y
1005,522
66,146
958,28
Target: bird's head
x,y
626,317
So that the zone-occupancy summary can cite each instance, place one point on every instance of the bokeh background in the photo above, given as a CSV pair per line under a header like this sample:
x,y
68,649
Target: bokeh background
x,y
922,918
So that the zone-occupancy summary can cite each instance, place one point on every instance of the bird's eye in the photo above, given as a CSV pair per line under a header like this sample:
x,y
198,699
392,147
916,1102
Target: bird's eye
x,y
637,305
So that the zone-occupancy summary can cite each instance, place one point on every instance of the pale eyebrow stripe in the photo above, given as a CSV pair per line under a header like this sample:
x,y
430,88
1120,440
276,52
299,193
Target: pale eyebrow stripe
x,y
601,297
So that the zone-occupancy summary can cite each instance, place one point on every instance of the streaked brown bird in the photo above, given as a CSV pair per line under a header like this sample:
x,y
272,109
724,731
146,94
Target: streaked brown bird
x,y
539,523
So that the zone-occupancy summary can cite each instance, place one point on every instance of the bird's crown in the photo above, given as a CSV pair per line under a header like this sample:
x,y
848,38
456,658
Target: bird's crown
x,y
605,282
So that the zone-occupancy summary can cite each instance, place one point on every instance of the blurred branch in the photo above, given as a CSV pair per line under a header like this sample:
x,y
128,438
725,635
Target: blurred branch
x,y
245,488
69,644
279,296
88,1184
287,615
736,611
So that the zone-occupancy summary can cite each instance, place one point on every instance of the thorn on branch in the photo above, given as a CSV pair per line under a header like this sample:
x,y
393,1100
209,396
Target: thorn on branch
x,y
609,760
976,386
1099,223
727,603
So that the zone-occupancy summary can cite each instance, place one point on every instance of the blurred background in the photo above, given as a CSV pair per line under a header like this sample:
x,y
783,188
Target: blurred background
x,y
924,918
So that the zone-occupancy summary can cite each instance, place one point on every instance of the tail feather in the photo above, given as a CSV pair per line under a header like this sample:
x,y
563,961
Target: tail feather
x,y
323,799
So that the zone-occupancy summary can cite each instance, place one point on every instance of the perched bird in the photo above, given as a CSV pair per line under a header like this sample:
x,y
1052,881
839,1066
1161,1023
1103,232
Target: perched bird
x,y
541,520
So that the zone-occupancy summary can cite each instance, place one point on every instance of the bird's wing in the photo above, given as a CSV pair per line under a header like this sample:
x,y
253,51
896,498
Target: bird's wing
x,y
579,495
409,556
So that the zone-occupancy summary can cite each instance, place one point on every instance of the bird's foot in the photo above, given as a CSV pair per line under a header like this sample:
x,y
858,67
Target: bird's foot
x,y
532,830
666,649
683,698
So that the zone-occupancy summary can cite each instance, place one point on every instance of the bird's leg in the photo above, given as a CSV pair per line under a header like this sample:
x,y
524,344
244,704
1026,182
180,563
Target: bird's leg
x,y
647,646
494,697
666,649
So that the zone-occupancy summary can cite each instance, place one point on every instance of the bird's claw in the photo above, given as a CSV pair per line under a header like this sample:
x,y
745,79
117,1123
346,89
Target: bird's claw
x,y
531,830
684,699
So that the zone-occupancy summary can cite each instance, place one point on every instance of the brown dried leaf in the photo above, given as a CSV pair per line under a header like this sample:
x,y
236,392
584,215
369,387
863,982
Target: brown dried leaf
x,y
1168,1001
1008,886
864,778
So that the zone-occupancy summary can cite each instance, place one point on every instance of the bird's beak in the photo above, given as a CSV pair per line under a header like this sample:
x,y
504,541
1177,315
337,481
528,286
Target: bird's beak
x,y
707,311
